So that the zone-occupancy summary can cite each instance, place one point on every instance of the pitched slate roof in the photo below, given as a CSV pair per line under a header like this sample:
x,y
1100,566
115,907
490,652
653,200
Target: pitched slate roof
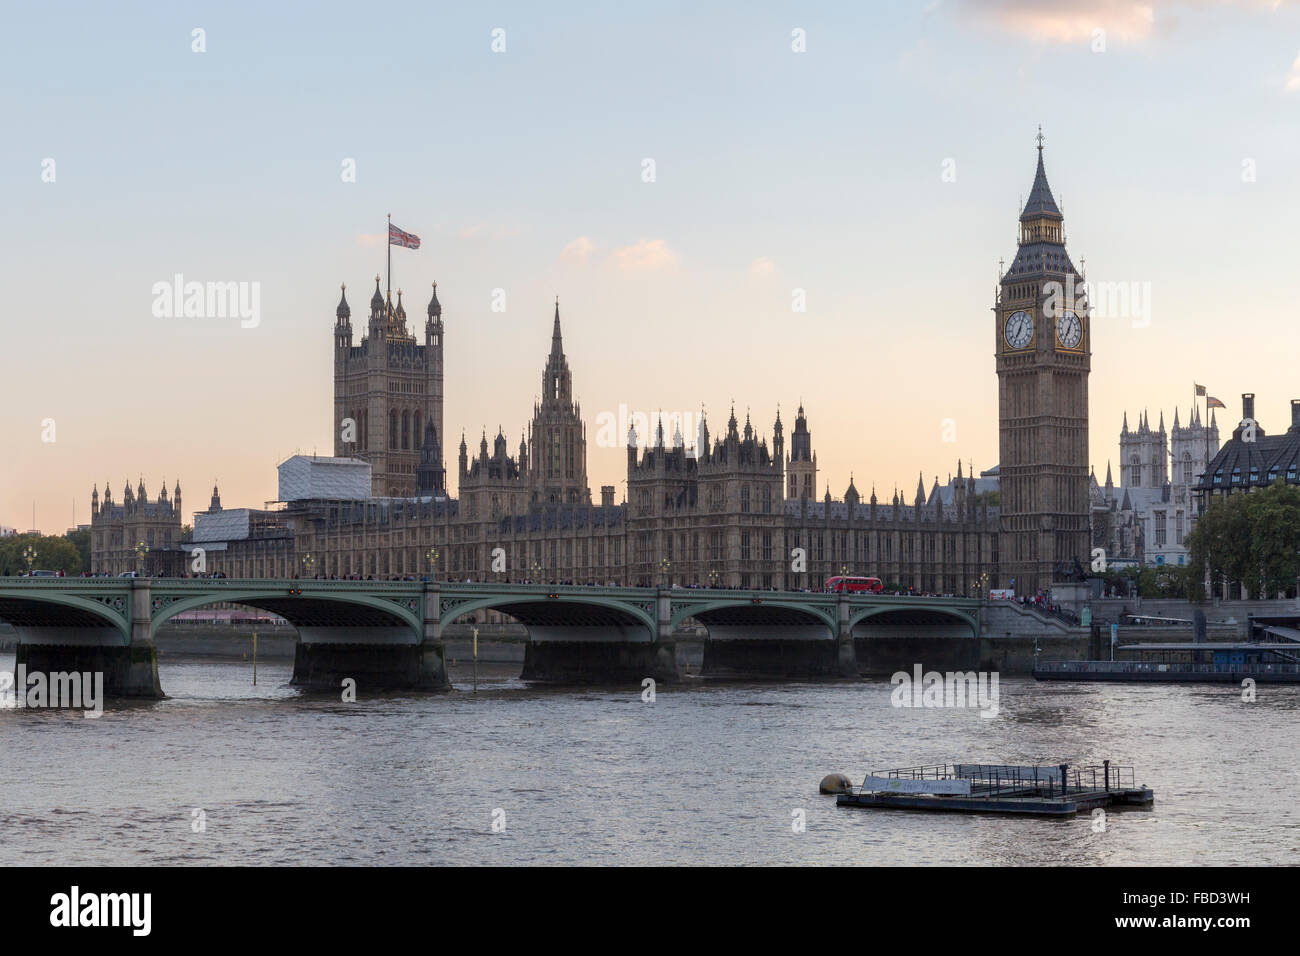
x,y
1243,464
1041,202
1041,258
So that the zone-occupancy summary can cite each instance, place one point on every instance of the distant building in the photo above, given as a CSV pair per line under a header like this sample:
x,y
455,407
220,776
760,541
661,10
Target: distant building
x,y
261,537
1253,459
713,514
1116,526
305,476
1043,358
387,390
1146,520
734,511
136,535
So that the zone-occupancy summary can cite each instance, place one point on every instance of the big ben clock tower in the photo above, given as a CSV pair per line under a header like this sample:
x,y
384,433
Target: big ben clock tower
x,y
1043,345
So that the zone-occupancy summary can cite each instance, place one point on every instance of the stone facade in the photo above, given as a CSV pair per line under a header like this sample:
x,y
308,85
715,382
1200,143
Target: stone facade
x,y
1116,527
387,390
714,514
136,535
1149,517
1042,340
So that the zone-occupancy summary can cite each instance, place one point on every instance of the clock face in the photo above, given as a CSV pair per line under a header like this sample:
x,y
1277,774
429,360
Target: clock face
x,y
1018,330
1069,329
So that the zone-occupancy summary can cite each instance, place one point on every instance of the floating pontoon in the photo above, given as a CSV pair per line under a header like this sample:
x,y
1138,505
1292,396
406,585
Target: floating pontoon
x,y
1056,791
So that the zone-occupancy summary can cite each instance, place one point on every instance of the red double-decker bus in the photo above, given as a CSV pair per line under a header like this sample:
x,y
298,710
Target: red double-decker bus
x,y
841,583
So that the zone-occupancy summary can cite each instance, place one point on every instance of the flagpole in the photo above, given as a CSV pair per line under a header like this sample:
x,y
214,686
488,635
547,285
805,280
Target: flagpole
x,y
1203,498
388,239
1205,495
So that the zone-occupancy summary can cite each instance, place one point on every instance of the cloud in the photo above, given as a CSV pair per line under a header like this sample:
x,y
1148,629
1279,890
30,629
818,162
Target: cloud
x,y
644,255
1293,77
1073,21
370,239
579,250
762,266
1069,21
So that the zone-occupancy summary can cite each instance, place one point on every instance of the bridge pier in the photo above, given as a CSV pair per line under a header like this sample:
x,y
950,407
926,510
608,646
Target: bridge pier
x,y
130,668
377,659
763,639
324,666
845,647
433,652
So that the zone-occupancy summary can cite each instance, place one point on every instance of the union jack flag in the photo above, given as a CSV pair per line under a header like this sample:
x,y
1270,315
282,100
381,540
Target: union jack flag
x,y
407,240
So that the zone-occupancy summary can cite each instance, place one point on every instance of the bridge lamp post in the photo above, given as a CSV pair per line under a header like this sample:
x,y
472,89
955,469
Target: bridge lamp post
x,y
141,549
664,567
713,578
29,555
534,570
432,557
308,563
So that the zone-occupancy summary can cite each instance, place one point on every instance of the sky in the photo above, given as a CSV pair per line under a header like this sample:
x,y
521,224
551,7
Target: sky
x,y
680,175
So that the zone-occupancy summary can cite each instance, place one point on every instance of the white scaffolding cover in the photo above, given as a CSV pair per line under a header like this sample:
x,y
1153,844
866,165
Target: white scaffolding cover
x,y
306,476
230,525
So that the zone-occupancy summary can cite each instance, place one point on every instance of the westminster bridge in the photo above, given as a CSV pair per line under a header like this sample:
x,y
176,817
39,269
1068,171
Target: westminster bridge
x,y
388,634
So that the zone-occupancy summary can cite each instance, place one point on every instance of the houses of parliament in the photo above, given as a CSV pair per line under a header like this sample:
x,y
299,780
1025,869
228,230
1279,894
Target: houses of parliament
x,y
732,510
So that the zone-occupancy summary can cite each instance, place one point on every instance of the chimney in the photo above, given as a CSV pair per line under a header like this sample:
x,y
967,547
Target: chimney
x,y
1248,405
607,496
1295,414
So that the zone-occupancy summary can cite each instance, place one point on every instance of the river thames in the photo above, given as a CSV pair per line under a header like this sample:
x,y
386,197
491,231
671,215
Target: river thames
x,y
711,773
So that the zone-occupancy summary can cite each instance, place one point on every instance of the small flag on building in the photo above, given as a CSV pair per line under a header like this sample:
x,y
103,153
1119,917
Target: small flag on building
x,y
1213,402
396,237
1200,391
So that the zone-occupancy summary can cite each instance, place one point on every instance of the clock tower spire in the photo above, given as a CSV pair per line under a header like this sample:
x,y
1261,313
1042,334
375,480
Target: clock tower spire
x,y
1043,354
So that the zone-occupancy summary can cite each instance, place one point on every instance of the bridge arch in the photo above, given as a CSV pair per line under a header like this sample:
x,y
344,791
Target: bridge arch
x,y
554,612
754,636
574,636
749,610
39,608
310,608
918,614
